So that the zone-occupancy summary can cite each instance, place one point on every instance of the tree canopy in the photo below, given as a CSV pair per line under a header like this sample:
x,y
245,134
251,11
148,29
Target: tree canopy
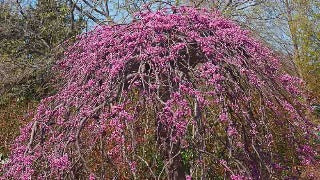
x,y
178,93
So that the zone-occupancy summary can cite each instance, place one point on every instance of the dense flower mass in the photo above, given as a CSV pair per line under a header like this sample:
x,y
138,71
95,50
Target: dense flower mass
x,y
178,93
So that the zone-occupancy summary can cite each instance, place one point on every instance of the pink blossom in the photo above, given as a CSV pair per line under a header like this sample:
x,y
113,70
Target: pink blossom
x,y
231,131
223,117
188,177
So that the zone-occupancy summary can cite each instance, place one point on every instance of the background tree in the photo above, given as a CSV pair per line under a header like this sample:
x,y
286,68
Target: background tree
x,y
31,38
304,22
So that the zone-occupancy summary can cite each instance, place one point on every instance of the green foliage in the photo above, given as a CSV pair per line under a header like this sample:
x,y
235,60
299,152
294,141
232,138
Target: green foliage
x,y
160,165
3,159
187,157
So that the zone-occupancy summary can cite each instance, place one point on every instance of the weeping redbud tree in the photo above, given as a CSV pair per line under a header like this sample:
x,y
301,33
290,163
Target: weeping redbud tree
x,y
179,93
